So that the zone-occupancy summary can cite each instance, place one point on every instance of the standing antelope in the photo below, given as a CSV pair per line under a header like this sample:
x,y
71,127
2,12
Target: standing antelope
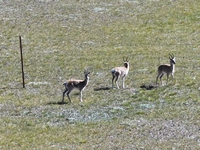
x,y
118,72
168,69
76,84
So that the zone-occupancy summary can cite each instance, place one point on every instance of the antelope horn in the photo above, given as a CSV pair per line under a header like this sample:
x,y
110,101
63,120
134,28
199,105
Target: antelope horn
x,y
171,56
85,71
124,59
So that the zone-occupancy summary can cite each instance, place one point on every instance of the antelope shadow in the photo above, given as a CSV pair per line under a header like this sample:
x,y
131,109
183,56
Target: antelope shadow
x,y
148,87
58,103
102,88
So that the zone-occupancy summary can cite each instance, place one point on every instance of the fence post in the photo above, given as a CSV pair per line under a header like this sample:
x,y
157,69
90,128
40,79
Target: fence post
x,y
22,64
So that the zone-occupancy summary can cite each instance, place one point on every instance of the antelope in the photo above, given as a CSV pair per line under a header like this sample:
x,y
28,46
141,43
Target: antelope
x,y
118,72
76,84
168,69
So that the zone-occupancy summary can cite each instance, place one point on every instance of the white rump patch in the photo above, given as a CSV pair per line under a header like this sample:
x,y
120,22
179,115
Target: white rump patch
x,y
113,71
66,82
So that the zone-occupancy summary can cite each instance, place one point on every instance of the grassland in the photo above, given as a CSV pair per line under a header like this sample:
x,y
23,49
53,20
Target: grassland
x,y
61,38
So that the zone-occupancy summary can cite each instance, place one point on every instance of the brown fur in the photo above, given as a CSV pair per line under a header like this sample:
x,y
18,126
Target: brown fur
x,y
118,72
168,69
76,84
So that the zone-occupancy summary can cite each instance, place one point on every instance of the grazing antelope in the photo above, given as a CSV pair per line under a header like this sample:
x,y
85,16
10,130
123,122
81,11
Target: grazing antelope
x,y
76,84
118,72
168,69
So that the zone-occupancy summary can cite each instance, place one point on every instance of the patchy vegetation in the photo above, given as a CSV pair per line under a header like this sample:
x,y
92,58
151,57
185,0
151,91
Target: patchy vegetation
x,y
62,38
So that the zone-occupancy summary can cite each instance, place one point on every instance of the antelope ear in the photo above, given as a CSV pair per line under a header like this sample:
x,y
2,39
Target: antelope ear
x,y
86,71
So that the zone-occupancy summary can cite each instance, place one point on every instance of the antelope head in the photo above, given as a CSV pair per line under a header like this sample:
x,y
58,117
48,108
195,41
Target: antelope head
x,y
172,59
126,62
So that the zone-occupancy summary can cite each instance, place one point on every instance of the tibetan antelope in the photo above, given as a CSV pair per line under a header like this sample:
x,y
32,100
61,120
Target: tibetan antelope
x,y
118,72
168,69
76,84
